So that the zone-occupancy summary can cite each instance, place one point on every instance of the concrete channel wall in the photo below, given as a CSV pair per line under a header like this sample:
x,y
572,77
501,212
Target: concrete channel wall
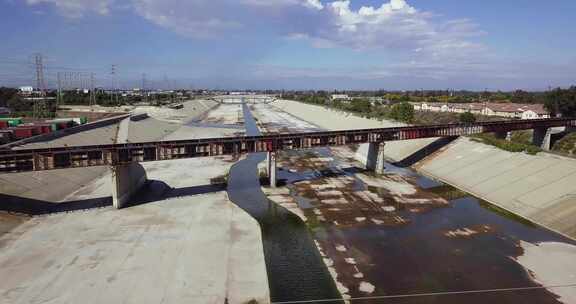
x,y
44,138
541,188
126,181
337,120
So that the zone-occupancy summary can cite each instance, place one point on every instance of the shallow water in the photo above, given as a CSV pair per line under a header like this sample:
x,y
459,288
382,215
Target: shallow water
x,y
295,268
420,257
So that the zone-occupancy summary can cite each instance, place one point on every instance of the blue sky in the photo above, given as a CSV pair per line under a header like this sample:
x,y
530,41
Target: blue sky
x,y
295,44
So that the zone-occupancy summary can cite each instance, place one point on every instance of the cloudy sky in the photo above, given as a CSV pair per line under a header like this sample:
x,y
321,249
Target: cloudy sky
x,y
295,44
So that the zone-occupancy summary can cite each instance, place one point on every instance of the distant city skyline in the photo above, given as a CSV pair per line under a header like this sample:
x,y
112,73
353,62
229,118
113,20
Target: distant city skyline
x,y
294,44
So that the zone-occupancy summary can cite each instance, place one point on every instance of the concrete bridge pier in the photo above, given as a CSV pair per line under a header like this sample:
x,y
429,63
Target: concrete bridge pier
x,y
126,181
375,159
507,135
542,138
271,168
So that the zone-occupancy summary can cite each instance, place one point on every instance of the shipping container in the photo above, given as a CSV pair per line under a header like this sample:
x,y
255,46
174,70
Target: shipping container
x,y
13,121
24,132
44,128
3,124
62,123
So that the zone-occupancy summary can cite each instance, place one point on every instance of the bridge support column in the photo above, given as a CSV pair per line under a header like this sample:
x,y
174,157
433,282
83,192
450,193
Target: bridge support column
x,y
507,135
126,181
542,138
271,168
375,159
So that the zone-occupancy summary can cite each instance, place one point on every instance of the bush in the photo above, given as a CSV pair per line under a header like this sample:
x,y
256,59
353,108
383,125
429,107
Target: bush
x,y
467,118
402,112
506,145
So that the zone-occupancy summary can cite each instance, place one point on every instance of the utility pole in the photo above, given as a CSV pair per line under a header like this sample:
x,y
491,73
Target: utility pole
x,y
59,96
92,91
113,88
40,107
144,91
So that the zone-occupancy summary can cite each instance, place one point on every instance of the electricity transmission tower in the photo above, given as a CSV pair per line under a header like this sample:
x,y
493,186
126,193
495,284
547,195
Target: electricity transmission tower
x,y
40,105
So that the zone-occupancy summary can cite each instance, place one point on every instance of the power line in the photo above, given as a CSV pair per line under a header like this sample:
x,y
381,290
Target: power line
x,y
430,294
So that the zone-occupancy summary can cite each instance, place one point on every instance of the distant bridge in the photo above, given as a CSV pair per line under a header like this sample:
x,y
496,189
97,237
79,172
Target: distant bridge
x,y
121,154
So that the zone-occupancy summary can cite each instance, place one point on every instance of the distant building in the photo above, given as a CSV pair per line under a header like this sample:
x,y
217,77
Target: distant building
x,y
509,110
26,90
341,97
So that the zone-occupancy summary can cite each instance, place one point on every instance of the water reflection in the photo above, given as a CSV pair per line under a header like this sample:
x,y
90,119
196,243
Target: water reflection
x,y
295,268
464,244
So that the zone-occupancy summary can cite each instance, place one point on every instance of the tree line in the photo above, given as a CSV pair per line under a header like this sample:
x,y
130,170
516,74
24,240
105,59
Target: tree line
x,y
558,101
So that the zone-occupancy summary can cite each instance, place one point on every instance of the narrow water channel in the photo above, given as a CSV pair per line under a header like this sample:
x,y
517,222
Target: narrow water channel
x,y
295,268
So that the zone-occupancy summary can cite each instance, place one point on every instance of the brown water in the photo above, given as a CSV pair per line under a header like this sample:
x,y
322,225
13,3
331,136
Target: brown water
x,y
417,256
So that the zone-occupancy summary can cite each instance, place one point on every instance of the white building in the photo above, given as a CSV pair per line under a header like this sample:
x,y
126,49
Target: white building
x,y
509,110
26,90
341,97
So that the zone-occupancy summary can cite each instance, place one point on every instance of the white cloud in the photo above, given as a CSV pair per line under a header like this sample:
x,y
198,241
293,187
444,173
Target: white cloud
x,y
77,8
314,4
394,25
198,18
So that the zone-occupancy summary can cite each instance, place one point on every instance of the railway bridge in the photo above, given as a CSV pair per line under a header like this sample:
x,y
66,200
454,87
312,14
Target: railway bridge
x,y
128,175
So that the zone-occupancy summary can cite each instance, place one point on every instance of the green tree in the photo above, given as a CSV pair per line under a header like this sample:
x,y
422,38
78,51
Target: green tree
x,y
7,94
402,112
561,101
467,118
360,106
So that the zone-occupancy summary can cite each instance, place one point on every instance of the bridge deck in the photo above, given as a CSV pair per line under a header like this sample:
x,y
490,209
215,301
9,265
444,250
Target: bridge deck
x,y
115,154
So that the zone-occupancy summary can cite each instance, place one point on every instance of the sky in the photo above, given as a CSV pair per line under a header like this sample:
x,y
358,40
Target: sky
x,y
292,44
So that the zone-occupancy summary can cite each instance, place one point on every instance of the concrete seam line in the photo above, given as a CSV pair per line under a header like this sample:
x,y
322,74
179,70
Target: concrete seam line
x,y
549,183
446,293
503,172
521,178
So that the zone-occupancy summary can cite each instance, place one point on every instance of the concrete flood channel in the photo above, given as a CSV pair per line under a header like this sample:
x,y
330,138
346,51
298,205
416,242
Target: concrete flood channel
x,y
434,240
295,268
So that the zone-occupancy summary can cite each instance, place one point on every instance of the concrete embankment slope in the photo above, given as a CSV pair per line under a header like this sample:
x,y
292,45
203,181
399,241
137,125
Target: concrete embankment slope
x,y
337,120
54,186
539,187
188,248
183,241
51,187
